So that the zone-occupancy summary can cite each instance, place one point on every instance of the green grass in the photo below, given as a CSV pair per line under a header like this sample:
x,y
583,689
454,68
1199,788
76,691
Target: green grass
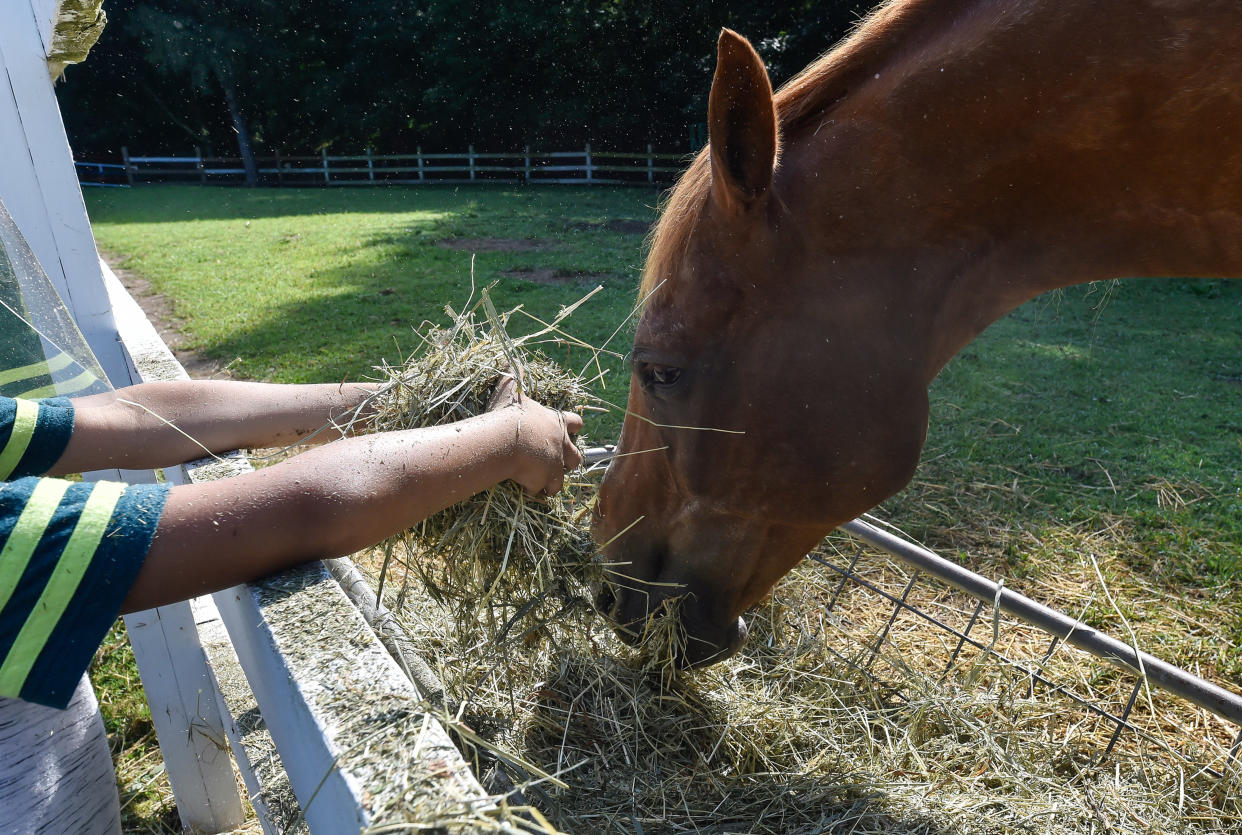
x,y
1119,398
1100,424
320,285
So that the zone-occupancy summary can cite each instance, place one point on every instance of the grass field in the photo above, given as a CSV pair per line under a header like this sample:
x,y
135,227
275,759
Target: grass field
x,y
312,286
1104,420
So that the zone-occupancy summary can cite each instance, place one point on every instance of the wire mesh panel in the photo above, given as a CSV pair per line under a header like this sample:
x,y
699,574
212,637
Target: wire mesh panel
x,y
908,629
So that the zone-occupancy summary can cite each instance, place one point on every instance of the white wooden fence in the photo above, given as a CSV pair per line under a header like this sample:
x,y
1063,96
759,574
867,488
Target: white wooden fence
x,y
579,167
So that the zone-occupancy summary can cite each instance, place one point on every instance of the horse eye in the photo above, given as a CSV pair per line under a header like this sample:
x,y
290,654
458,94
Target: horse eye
x,y
660,376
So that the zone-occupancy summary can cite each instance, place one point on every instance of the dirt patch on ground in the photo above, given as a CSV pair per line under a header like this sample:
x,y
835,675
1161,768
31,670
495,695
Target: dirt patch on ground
x,y
494,244
546,275
160,311
622,225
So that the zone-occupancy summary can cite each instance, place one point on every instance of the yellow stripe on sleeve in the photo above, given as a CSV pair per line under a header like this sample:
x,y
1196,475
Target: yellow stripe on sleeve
x,y
51,605
19,438
35,369
83,381
23,540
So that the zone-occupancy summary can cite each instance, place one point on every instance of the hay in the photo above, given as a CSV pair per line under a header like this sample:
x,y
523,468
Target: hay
x,y
502,557
807,730
837,716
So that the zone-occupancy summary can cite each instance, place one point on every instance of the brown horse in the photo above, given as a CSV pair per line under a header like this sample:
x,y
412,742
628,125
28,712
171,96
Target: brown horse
x,y
837,243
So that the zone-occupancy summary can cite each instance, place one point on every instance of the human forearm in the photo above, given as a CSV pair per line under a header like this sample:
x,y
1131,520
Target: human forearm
x,y
335,500
157,424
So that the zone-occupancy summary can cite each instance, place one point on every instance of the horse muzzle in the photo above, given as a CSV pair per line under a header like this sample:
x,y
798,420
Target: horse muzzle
x,y
634,617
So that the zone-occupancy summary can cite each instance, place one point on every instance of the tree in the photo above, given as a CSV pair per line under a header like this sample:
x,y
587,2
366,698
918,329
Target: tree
x,y
345,74
215,44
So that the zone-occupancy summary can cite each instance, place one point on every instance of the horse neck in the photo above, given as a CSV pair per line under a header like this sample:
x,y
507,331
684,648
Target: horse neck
x,y
1007,149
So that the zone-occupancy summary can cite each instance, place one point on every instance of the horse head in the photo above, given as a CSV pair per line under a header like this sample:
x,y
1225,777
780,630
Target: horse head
x,y
720,488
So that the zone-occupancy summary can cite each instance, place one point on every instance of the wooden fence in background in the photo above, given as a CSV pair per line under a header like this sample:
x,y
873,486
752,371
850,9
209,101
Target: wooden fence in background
x,y
581,167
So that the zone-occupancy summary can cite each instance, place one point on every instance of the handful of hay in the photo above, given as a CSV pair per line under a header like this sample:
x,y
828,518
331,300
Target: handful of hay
x,y
501,557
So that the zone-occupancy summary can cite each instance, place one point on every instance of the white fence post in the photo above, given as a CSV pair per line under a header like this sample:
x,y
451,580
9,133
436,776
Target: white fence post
x,y
370,165
186,715
470,154
421,173
590,172
650,164
323,154
179,688
526,167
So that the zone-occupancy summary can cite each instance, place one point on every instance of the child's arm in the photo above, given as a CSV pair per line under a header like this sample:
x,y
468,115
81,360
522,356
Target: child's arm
x,y
132,431
339,498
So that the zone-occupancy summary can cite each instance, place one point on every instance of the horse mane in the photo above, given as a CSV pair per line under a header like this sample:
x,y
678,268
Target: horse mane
x,y
801,100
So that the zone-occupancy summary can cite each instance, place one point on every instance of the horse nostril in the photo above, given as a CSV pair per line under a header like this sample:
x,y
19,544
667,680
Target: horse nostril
x,y
605,600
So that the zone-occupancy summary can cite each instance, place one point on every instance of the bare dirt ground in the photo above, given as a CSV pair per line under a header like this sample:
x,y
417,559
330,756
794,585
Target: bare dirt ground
x,y
622,225
546,275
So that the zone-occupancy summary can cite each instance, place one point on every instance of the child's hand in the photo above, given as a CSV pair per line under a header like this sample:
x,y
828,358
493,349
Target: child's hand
x,y
544,447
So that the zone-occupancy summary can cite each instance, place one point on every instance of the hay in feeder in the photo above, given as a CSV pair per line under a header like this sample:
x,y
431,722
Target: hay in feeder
x,y
816,726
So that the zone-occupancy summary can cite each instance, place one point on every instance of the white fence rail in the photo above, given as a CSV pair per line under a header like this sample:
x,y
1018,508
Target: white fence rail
x,y
578,167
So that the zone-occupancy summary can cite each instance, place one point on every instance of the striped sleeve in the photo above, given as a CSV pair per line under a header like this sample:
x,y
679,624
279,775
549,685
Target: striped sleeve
x,y
33,434
70,554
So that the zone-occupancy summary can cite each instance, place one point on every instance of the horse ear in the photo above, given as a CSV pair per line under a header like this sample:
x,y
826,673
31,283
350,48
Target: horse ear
x,y
741,123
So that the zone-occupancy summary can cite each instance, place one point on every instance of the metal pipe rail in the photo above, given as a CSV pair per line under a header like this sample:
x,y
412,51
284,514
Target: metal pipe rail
x,y
1188,686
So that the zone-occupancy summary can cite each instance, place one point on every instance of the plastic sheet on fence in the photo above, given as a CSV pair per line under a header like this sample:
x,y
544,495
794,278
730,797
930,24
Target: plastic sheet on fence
x,y
42,352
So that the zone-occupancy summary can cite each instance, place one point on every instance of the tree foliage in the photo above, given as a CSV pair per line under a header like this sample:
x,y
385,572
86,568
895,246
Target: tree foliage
x,y
346,74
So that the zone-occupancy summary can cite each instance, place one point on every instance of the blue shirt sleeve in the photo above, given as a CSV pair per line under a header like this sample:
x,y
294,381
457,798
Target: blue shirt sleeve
x,y
33,435
70,553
